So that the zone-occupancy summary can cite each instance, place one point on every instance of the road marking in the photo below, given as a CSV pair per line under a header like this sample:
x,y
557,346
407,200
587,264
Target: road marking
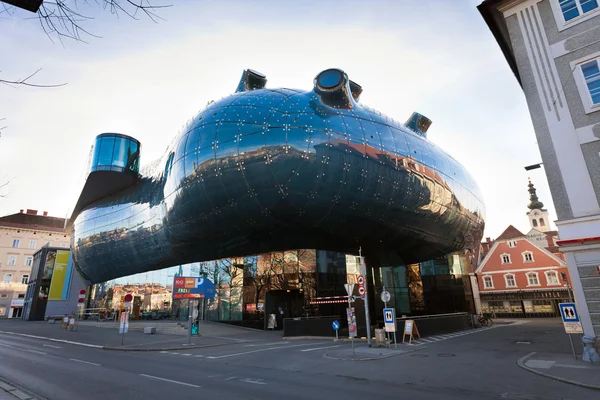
x,y
266,344
85,362
174,352
95,346
36,351
321,348
213,376
54,347
259,350
230,378
187,354
164,352
169,380
198,355
255,381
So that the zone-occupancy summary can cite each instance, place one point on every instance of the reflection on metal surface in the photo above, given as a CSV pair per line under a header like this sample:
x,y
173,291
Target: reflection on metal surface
x,y
275,169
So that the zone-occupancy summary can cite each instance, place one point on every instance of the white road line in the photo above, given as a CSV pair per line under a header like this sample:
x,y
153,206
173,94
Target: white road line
x,y
36,351
95,346
255,381
169,380
54,347
174,352
187,354
267,349
267,344
230,378
213,376
198,355
85,362
321,348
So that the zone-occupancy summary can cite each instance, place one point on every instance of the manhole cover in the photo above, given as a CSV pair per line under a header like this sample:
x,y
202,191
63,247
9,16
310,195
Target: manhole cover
x,y
419,355
446,355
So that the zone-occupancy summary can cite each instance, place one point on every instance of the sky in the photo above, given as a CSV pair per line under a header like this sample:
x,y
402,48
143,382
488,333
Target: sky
x,y
146,79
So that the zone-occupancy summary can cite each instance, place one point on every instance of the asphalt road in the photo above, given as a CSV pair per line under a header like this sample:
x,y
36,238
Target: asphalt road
x,y
478,366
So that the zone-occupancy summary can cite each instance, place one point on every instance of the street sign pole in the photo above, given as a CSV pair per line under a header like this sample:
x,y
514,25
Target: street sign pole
x,y
191,313
385,300
363,271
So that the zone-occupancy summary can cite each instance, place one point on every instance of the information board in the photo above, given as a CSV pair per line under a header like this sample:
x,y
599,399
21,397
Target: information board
x,y
193,288
352,328
570,318
389,318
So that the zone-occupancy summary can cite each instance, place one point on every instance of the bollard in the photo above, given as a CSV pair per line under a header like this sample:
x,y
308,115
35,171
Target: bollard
x,y
589,351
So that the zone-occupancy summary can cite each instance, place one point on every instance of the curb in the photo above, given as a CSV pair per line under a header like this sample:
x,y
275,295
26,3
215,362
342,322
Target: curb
x,y
94,346
17,391
521,364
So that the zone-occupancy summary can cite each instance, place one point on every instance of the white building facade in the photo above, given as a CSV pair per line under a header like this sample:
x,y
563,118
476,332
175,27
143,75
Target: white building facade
x,y
553,47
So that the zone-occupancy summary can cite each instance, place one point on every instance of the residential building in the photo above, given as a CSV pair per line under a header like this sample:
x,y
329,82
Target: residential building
x,y
519,279
21,236
553,48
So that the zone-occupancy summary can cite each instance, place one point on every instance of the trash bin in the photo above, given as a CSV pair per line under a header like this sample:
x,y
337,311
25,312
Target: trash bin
x,y
380,339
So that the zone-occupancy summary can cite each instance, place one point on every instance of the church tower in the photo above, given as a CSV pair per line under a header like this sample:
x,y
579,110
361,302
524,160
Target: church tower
x,y
538,217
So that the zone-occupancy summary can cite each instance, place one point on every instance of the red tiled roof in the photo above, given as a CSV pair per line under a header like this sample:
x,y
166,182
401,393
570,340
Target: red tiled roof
x,y
31,221
510,233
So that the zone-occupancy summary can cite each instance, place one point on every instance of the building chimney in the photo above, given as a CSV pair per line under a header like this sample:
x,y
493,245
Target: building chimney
x,y
45,213
20,211
31,212
487,239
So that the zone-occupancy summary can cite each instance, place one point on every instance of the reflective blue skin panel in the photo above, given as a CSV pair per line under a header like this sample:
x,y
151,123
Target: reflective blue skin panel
x,y
275,169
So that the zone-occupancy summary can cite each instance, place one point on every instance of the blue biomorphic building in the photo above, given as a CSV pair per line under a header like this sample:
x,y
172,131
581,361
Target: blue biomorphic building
x,y
275,170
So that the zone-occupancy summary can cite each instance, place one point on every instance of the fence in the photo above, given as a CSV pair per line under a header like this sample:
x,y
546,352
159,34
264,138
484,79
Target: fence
x,y
437,324
310,326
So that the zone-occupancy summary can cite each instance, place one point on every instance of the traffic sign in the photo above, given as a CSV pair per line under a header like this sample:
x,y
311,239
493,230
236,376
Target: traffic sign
x,y
385,296
335,325
361,280
349,288
128,298
389,318
361,291
570,318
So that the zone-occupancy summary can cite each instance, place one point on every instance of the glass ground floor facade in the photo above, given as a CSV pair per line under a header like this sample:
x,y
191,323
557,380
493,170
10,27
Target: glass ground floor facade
x,y
291,284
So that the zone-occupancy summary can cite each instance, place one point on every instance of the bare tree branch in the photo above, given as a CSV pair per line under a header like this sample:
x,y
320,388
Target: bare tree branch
x,y
25,82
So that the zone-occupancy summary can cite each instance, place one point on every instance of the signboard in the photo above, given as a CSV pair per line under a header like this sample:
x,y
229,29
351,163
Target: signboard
x,y
335,325
193,288
349,288
570,318
124,322
60,278
410,329
385,296
272,322
389,318
352,328
194,328
251,307
361,285
17,303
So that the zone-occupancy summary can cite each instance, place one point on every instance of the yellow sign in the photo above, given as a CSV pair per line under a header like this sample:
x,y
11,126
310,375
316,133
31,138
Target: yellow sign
x,y
410,329
59,276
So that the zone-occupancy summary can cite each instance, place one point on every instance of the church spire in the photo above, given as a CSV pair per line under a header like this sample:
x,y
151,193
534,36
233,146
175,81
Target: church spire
x,y
534,202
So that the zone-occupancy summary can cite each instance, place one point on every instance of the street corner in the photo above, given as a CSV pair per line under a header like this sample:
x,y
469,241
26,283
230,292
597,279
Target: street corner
x,y
562,367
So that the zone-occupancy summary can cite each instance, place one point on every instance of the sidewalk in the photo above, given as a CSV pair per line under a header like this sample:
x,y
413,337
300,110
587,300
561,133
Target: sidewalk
x,y
107,336
9,392
562,367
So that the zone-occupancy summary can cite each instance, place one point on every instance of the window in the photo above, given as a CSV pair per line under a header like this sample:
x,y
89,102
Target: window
x,y
510,280
25,279
591,74
532,279
574,8
542,223
12,260
505,258
488,283
32,244
7,278
28,261
528,256
21,296
534,222
512,243
16,243
3,296
552,278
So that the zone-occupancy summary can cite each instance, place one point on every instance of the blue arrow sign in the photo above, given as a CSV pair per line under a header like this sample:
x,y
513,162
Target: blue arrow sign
x,y
335,325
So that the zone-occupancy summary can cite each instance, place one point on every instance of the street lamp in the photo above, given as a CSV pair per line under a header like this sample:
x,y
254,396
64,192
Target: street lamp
x,y
533,166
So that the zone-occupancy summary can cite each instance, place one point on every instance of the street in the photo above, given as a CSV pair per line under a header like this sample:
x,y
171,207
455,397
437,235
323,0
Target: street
x,y
478,365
